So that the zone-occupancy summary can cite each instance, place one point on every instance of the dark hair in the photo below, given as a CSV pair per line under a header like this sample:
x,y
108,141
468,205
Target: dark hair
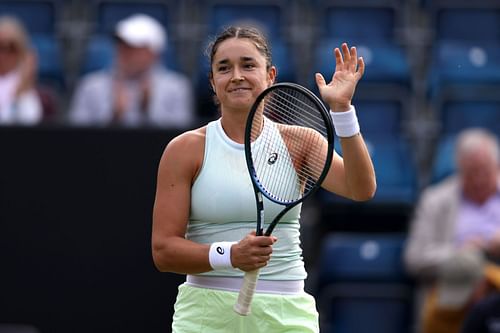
x,y
250,33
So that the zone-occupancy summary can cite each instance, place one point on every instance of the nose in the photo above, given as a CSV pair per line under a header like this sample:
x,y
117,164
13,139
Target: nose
x,y
237,77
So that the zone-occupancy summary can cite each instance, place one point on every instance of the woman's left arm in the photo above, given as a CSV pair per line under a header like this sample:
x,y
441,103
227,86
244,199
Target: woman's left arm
x,y
351,175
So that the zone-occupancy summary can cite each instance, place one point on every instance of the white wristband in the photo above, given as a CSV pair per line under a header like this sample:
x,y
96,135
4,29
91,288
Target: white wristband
x,y
345,123
219,255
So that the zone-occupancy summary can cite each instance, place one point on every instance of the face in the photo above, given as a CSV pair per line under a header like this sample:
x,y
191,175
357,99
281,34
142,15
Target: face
x,y
239,74
479,173
134,61
10,53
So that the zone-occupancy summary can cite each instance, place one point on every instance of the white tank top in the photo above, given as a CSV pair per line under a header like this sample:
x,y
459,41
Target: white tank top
x,y
223,208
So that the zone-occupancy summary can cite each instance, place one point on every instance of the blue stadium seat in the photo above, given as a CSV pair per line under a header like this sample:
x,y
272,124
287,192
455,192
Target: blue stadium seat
x,y
395,170
380,118
375,40
457,115
465,56
37,16
362,258
363,286
379,22
50,68
444,158
464,67
108,13
467,23
385,61
268,17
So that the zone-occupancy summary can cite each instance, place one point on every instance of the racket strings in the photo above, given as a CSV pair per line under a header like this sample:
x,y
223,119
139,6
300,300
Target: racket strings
x,y
296,121
283,105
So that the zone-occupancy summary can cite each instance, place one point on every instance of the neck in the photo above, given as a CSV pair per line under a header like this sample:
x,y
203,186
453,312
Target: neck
x,y
234,125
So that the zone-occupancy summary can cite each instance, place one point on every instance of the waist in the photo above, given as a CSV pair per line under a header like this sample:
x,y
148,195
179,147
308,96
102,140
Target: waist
x,y
291,287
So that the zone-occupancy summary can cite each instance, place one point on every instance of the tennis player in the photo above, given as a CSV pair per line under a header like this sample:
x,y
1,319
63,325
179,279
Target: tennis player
x,y
204,212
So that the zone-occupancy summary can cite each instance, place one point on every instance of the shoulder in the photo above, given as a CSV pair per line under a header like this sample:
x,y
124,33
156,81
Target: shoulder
x,y
185,152
444,188
189,139
441,194
171,77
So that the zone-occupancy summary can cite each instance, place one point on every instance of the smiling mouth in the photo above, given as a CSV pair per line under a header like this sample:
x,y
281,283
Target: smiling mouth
x,y
239,89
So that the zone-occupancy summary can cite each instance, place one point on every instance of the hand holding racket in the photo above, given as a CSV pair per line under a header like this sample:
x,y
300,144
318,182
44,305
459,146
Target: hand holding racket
x,y
288,150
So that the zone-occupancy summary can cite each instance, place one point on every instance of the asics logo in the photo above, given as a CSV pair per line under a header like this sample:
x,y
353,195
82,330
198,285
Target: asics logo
x,y
220,250
272,158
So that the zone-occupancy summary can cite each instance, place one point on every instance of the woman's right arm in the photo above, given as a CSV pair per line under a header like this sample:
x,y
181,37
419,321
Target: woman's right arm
x,y
178,167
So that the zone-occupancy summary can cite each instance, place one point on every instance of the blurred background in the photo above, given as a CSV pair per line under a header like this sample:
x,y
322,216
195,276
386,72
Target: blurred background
x,y
76,201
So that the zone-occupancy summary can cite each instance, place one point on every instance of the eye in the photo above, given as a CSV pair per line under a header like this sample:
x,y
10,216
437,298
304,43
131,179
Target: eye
x,y
249,66
222,68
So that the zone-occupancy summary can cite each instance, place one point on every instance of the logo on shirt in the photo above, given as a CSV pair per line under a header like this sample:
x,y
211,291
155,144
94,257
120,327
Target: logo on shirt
x,y
220,250
272,158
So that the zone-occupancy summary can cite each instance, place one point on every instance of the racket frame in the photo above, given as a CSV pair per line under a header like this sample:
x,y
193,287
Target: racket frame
x,y
243,303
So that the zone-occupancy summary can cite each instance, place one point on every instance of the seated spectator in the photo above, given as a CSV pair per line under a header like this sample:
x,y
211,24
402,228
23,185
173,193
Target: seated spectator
x,y
21,102
454,241
138,90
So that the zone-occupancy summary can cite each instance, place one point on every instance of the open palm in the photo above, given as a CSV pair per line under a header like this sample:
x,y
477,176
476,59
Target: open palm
x,y
349,69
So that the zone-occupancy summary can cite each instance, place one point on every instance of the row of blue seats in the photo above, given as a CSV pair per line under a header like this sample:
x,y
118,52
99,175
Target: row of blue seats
x,y
461,51
362,285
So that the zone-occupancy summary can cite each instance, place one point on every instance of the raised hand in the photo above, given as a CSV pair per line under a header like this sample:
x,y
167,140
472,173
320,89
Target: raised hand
x,y
349,69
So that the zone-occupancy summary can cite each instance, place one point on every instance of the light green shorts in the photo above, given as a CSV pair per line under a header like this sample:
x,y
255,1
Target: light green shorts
x,y
201,310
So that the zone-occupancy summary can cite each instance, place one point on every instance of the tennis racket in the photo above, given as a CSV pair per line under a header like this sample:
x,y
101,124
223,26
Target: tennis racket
x,y
288,150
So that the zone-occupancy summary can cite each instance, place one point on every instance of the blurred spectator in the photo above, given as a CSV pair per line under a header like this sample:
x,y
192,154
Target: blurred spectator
x,y
21,102
138,90
455,236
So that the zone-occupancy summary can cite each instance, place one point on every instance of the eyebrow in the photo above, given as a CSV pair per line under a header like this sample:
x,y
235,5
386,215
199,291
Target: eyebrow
x,y
226,61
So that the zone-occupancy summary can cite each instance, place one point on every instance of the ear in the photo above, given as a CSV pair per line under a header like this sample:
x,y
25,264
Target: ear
x,y
271,75
212,84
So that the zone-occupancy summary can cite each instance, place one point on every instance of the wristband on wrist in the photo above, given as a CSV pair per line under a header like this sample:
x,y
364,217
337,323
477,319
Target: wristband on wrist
x,y
219,255
345,123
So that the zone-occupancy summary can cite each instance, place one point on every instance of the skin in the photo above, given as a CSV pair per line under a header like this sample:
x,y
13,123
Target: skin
x,y
239,74
14,56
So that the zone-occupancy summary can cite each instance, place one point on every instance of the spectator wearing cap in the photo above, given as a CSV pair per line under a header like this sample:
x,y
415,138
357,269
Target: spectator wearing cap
x,y
138,90
453,247
21,101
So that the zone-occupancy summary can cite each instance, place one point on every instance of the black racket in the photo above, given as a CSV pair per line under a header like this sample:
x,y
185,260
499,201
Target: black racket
x,y
288,150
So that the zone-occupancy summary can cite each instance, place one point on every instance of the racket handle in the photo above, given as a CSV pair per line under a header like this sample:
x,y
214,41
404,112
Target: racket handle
x,y
245,296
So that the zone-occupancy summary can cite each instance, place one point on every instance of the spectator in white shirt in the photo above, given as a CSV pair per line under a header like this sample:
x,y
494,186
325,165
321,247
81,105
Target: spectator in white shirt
x,y
137,90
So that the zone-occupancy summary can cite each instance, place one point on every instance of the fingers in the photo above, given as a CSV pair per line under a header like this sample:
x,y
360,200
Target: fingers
x,y
320,80
361,66
347,58
252,252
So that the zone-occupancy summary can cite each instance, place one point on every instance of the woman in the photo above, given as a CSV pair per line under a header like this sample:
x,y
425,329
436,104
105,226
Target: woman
x,y
205,211
20,103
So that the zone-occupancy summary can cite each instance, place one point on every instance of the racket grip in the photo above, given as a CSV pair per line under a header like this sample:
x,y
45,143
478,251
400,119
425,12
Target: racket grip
x,y
245,296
